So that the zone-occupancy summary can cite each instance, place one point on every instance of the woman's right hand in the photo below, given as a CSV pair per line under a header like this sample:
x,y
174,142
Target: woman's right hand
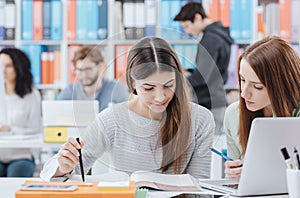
x,y
233,169
5,128
68,156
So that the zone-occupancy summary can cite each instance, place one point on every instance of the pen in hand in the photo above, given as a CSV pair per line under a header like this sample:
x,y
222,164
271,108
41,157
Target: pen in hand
x,y
80,161
225,157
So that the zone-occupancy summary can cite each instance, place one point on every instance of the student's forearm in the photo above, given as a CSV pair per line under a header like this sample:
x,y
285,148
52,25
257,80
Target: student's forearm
x,y
59,173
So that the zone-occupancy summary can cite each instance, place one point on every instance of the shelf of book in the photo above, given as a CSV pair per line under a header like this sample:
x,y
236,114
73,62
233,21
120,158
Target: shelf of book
x,y
61,26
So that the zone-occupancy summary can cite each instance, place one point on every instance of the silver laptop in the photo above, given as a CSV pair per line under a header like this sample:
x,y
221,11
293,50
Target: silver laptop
x,y
264,168
69,113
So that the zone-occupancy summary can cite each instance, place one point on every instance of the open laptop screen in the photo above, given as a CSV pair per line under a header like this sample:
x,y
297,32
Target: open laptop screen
x,y
70,113
264,169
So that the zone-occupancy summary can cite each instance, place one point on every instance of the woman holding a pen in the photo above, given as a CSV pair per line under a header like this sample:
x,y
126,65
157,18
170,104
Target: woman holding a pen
x,y
158,130
269,81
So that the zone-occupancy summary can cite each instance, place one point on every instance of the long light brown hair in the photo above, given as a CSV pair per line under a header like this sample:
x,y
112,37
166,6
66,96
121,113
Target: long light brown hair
x,y
151,55
277,66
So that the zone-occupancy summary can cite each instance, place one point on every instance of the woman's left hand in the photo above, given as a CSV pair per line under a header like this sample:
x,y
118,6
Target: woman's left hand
x,y
233,169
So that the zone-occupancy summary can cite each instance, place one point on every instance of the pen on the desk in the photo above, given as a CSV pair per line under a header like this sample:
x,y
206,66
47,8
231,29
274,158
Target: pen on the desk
x,y
287,158
80,161
225,157
297,160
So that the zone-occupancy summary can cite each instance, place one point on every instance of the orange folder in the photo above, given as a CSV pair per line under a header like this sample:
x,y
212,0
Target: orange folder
x,y
37,20
45,67
71,23
225,12
121,54
214,10
285,19
82,191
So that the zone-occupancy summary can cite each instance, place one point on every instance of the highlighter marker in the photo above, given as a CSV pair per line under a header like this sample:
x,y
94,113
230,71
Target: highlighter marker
x,y
297,158
225,157
287,158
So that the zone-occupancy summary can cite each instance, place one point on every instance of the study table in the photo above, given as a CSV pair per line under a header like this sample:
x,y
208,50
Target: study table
x,y
8,187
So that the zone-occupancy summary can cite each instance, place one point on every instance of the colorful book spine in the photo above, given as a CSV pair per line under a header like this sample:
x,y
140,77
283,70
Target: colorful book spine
x,y
81,20
235,23
92,27
27,17
46,19
190,52
34,53
214,10
71,20
225,12
285,19
10,19
164,18
121,54
51,67
37,19
246,20
2,20
57,67
176,33
56,20
129,19
45,67
102,20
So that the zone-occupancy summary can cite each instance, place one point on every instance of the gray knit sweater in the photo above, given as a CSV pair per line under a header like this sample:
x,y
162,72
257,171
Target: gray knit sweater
x,y
130,141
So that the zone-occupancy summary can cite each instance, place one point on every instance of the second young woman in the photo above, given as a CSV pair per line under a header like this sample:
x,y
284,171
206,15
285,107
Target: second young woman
x,y
269,72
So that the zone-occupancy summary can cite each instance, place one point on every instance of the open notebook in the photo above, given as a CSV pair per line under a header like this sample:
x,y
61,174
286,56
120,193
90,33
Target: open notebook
x,y
264,169
145,179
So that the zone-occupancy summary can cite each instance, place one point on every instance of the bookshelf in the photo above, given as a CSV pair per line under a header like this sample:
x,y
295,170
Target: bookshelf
x,y
124,28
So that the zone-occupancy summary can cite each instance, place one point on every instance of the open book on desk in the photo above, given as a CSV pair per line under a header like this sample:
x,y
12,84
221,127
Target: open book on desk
x,y
159,181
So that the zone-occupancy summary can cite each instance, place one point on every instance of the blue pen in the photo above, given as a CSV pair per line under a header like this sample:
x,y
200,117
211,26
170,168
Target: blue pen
x,y
225,157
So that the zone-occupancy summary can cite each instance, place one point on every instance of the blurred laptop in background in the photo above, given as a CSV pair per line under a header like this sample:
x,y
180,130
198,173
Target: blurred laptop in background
x,y
66,118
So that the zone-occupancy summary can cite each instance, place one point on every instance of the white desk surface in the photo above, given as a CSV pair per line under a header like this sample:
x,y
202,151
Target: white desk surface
x,y
8,187
35,142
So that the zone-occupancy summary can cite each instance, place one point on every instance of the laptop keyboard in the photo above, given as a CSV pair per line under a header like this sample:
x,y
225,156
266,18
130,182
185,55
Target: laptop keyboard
x,y
234,186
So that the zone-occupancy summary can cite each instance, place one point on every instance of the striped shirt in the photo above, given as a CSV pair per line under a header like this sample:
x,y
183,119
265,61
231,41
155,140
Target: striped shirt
x,y
130,141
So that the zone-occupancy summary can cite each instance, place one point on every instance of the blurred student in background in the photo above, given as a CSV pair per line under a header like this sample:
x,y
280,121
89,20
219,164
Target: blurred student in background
x,y
158,130
90,66
211,72
23,112
269,73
